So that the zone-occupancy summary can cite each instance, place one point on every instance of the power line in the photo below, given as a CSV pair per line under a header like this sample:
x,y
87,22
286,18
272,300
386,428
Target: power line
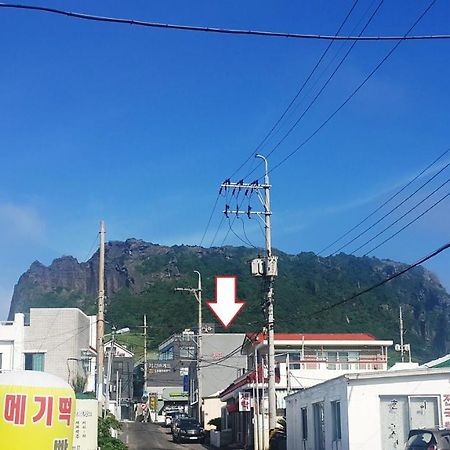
x,y
354,92
401,217
233,31
322,56
321,90
209,220
381,283
392,210
408,224
385,202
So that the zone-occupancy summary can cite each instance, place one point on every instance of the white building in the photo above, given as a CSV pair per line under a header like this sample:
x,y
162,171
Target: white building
x,y
60,341
302,360
368,411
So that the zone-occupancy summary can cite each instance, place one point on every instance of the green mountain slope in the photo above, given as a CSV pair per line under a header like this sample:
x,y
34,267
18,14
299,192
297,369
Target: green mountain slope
x,y
141,277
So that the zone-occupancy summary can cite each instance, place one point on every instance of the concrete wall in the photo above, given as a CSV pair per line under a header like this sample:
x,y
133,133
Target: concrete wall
x,y
61,334
216,374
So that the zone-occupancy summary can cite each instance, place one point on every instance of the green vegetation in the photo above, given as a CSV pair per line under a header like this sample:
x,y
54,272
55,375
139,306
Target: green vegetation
x,y
306,284
105,439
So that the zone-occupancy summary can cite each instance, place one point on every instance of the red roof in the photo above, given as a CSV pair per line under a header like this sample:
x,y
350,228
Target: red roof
x,y
314,337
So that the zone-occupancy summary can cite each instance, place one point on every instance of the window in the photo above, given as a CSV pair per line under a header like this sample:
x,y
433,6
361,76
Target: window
x,y
187,352
304,416
34,361
336,417
331,360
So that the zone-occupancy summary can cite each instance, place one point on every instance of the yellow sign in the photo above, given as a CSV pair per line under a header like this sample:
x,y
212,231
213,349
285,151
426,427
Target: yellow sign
x,y
37,410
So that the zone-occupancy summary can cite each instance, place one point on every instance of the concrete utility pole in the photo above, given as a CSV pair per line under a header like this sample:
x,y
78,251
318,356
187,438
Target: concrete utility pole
x,y
101,318
269,299
266,267
402,347
198,295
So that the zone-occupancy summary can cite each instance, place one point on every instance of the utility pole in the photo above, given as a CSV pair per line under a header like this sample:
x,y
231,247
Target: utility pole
x,y
145,352
198,296
265,267
101,318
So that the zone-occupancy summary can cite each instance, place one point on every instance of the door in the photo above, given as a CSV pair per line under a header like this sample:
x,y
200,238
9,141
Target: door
x,y
423,412
394,422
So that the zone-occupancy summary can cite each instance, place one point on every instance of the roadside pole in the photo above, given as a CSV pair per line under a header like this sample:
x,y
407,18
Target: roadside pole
x,y
198,296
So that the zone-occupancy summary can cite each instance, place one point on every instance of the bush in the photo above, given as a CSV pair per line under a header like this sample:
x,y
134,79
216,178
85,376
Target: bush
x,y
105,439
216,422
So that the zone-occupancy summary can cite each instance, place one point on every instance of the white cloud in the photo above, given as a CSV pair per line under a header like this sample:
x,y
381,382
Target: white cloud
x,y
21,221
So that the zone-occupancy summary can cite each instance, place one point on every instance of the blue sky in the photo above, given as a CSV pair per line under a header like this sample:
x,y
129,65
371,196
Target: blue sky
x,y
139,126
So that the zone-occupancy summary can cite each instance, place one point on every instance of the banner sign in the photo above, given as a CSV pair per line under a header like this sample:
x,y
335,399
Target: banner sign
x,y
37,409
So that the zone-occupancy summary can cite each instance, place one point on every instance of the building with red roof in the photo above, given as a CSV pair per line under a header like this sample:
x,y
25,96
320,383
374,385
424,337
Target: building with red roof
x,y
302,360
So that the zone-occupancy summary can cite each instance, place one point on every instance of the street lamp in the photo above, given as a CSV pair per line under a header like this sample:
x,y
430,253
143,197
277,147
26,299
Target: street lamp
x,y
198,295
110,357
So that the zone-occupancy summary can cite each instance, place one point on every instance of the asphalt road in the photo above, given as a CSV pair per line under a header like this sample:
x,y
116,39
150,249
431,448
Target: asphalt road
x,y
149,436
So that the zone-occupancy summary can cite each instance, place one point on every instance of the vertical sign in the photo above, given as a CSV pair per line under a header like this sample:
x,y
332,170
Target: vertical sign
x,y
244,401
85,427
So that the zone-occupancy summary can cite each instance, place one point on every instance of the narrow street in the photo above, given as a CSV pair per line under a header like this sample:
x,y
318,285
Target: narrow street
x,y
149,436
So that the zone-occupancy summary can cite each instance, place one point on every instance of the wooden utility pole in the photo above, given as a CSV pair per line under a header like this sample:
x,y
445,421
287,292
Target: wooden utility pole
x,y
101,319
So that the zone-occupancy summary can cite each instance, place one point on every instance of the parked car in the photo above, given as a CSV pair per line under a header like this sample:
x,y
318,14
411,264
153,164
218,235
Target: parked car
x,y
188,429
428,439
175,418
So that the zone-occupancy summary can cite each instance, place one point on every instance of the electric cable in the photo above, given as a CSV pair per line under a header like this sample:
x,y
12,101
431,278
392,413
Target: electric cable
x,y
397,193
353,93
392,209
305,82
401,217
321,90
381,283
408,224
209,220
232,31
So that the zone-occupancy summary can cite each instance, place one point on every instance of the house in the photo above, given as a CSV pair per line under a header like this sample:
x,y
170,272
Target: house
x,y
60,341
367,411
302,360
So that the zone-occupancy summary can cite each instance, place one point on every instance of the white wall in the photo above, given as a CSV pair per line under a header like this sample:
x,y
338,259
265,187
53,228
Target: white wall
x,y
12,342
334,390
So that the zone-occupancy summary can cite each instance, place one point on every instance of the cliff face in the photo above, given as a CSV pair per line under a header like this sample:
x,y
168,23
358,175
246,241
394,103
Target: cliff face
x,y
140,278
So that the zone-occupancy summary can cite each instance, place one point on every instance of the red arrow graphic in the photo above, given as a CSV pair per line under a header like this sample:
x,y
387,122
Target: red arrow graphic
x,y
226,308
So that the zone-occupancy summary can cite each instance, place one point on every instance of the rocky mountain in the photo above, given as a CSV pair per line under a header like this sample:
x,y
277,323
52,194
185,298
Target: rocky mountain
x,y
141,277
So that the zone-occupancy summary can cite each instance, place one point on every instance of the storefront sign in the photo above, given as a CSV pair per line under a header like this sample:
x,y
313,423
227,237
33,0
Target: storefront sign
x,y
244,401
